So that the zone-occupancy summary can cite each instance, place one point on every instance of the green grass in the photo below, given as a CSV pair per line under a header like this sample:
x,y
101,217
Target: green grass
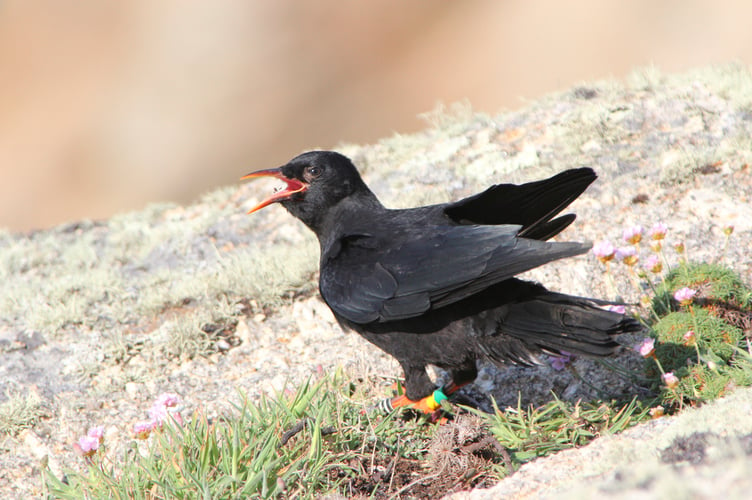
x,y
534,432
340,448
241,455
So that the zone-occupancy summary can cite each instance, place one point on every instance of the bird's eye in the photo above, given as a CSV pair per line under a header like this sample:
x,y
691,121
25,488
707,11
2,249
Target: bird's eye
x,y
313,171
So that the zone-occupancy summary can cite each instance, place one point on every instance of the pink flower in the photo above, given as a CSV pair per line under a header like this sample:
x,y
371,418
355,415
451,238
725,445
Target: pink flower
x,y
627,255
604,251
617,309
654,264
167,399
164,405
670,380
633,235
684,296
97,433
679,247
728,230
87,445
560,362
658,231
646,348
689,337
157,414
143,429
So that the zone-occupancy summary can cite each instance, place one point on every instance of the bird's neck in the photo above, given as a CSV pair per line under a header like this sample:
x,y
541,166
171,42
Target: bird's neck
x,y
354,213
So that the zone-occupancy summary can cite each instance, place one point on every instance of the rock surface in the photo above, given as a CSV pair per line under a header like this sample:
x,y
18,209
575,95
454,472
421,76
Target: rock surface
x,y
701,453
99,317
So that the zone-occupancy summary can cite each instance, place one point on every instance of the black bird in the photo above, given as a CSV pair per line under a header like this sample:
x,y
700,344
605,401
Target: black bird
x,y
435,284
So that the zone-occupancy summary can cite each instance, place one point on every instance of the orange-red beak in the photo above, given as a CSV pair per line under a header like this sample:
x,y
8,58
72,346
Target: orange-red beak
x,y
293,186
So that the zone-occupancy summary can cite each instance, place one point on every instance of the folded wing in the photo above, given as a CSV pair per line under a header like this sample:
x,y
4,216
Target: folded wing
x,y
366,282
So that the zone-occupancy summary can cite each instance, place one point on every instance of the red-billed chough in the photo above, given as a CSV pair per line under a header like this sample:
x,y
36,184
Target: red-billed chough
x,y
435,284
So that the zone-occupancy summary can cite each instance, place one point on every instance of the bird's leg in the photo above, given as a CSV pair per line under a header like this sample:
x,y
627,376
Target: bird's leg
x,y
422,395
460,378
417,382
420,392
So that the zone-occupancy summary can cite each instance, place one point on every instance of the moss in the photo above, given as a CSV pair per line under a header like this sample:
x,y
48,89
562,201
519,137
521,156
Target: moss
x,y
20,412
716,282
712,334
714,360
700,384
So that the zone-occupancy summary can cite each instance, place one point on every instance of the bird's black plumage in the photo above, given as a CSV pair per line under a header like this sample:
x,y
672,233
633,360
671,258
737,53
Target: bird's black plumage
x,y
435,284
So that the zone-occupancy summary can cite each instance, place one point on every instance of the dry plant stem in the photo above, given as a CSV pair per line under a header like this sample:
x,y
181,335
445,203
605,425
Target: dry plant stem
x,y
697,350
410,485
611,284
634,278
724,256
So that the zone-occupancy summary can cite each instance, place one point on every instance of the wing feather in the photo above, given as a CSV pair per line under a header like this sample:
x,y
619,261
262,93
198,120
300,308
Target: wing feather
x,y
367,281
531,205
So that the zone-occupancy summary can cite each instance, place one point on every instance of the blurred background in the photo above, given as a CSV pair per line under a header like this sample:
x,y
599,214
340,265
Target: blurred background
x,y
106,106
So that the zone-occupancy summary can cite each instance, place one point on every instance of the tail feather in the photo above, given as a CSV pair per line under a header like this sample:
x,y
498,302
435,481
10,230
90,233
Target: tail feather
x,y
553,323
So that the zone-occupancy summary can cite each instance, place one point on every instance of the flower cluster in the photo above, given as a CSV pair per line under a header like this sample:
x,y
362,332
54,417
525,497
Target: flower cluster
x,y
639,265
671,380
633,234
684,296
658,231
604,251
677,306
654,264
690,338
164,406
629,254
656,411
646,348
89,444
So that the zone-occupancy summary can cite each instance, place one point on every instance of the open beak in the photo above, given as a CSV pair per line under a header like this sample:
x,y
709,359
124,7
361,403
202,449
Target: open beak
x,y
293,186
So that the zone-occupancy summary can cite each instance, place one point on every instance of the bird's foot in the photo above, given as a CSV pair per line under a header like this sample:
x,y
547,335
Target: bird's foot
x,y
428,405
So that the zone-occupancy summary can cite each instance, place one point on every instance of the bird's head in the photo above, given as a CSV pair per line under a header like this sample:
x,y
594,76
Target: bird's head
x,y
315,182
